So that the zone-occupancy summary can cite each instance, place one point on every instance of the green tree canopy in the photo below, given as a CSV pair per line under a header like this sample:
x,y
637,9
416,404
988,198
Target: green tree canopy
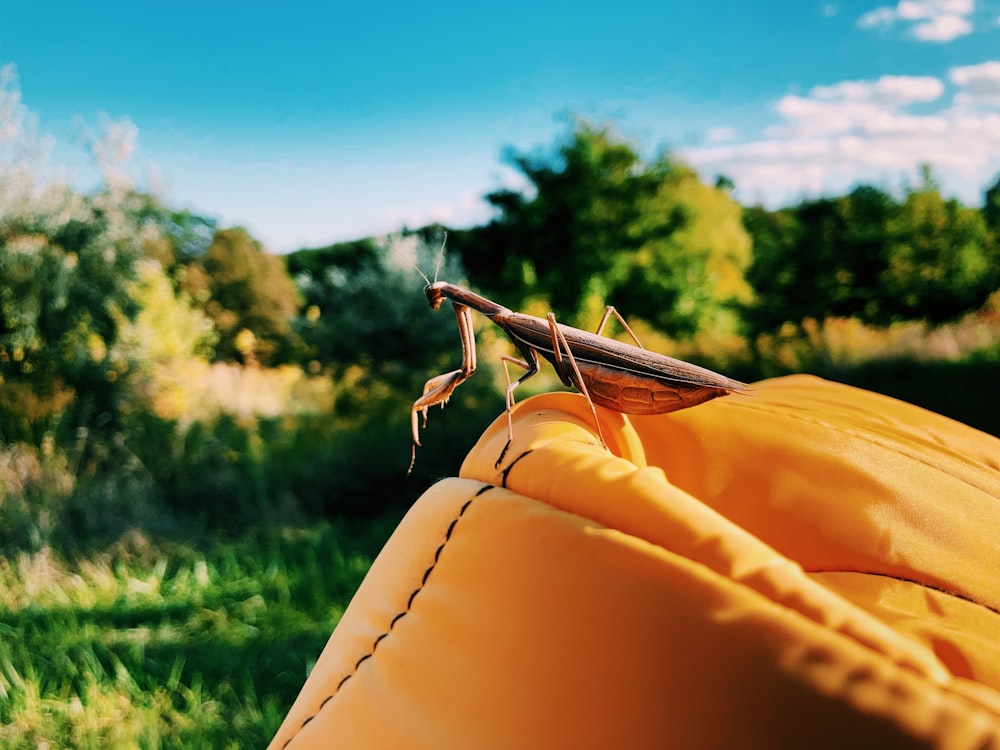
x,y
823,257
871,256
368,324
66,271
248,294
991,209
364,308
597,223
940,259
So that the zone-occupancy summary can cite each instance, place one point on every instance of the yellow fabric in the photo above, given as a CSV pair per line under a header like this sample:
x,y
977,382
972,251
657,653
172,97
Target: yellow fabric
x,y
809,566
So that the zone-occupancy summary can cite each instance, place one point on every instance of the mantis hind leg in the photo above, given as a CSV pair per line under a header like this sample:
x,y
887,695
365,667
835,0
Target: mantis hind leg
x,y
530,364
560,345
608,312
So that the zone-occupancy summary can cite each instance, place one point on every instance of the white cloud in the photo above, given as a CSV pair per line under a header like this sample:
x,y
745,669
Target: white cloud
x,y
898,90
879,17
853,105
980,84
916,10
942,28
869,131
929,20
720,134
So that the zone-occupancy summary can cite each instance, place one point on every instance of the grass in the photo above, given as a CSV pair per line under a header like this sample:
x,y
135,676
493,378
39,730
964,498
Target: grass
x,y
166,644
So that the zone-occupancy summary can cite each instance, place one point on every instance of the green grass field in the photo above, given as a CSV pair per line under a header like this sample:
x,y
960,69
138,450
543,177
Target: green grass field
x,y
162,644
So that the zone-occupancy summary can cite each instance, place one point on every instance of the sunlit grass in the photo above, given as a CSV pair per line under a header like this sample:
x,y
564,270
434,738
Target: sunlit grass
x,y
819,345
847,342
189,389
171,645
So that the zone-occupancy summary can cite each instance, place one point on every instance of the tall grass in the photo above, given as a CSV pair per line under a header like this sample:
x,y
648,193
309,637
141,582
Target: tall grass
x,y
162,644
836,343
169,587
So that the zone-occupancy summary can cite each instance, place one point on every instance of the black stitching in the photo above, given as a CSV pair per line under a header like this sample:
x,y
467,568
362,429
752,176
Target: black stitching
x,y
397,618
447,533
916,582
887,443
510,466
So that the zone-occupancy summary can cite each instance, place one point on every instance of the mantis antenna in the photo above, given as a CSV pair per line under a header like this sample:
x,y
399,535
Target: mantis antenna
x,y
440,260
437,266
422,274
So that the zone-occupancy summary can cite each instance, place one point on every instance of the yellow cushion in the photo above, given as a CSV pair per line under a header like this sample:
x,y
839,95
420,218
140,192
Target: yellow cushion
x,y
809,566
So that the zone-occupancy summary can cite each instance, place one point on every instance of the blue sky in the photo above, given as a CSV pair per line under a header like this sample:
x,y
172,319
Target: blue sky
x,y
317,122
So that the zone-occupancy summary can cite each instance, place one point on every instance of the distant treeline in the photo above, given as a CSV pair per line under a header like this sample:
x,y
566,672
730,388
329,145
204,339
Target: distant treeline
x,y
600,225
103,295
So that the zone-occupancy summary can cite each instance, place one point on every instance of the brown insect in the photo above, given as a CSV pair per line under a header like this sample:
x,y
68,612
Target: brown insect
x,y
626,378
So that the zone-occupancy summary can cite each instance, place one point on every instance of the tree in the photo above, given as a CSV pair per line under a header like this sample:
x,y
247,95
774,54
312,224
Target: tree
x,y
598,223
363,308
776,275
66,274
551,240
175,237
167,325
248,294
868,256
350,257
991,209
941,260
823,257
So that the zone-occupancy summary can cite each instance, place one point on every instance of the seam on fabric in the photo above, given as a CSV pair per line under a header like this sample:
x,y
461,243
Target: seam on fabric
x,y
903,579
395,620
506,472
882,441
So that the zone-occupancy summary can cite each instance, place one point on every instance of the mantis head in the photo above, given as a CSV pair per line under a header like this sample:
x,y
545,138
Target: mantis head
x,y
434,293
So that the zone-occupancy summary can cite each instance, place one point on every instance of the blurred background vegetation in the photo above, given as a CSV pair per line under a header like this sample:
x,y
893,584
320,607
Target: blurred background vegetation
x,y
203,445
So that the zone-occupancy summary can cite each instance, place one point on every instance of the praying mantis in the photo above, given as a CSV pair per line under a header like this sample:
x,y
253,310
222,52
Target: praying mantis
x,y
609,373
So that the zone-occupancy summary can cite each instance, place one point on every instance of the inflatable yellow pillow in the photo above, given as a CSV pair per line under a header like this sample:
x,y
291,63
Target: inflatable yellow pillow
x,y
810,566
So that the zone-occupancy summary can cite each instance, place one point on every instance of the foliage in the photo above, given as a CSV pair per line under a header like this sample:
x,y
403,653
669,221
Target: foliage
x,y
820,258
598,223
67,275
368,326
940,258
870,256
152,643
189,235
836,343
248,295
350,257
167,326
991,209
